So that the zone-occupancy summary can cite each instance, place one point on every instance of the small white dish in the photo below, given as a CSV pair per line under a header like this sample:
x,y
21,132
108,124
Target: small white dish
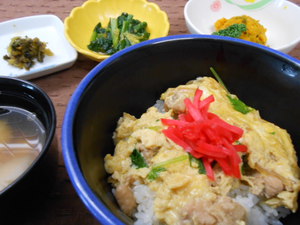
x,y
49,29
280,17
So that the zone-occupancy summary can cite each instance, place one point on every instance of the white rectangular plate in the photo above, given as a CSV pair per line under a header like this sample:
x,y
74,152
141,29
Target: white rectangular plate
x,y
49,29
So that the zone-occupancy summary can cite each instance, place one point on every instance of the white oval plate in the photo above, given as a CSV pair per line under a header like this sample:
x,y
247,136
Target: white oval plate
x,y
49,29
280,17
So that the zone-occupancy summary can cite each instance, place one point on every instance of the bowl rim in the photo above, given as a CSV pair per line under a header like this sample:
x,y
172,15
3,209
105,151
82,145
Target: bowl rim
x,y
98,209
98,56
284,47
49,139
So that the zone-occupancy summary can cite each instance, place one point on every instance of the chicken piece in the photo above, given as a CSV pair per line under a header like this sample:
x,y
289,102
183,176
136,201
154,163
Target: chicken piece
x,y
147,153
273,186
222,211
255,182
174,97
265,185
176,102
196,212
126,199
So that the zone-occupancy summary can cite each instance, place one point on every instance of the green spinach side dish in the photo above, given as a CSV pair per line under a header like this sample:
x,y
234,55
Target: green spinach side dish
x,y
120,33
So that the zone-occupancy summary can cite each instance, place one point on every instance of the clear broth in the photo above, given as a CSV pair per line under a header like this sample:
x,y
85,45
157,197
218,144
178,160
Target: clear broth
x,y
22,137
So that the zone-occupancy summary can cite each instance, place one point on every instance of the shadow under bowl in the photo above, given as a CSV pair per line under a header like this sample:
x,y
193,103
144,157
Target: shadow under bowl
x,y
27,96
133,79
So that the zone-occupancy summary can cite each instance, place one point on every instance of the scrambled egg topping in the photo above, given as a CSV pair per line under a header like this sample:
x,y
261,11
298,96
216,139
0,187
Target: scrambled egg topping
x,y
180,191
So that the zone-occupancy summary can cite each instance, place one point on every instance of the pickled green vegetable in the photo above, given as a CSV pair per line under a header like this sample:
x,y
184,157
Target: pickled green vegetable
x,y
24,52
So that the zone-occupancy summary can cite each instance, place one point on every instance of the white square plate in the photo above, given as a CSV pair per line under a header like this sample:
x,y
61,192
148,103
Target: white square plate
x,y
49,29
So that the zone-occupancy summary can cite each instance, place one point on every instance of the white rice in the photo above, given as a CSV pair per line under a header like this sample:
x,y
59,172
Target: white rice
x,y
258,212
145,200
160,105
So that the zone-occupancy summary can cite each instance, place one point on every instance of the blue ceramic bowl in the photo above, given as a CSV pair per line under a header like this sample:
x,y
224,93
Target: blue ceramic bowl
x,y
131,80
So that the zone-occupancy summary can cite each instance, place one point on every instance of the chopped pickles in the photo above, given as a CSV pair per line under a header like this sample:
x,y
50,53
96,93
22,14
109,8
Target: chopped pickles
x,y
23,52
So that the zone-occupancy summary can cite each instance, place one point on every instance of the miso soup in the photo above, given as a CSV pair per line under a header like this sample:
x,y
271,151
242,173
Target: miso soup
x,y
22,137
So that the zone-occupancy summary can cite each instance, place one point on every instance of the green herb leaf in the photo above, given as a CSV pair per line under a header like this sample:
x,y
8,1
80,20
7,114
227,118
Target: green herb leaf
x,y
155,128
154,173
201,168
245,169
238,105
218,78
171,161
199,162
235,30
137,159
237,143
114,31
160,167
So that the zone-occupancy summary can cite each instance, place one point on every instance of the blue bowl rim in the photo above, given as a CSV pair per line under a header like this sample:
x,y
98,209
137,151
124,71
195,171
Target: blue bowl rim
x,y
87,195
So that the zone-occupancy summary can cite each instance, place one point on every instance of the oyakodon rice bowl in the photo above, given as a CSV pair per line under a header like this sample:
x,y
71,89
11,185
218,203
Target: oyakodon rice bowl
x,y
205,157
